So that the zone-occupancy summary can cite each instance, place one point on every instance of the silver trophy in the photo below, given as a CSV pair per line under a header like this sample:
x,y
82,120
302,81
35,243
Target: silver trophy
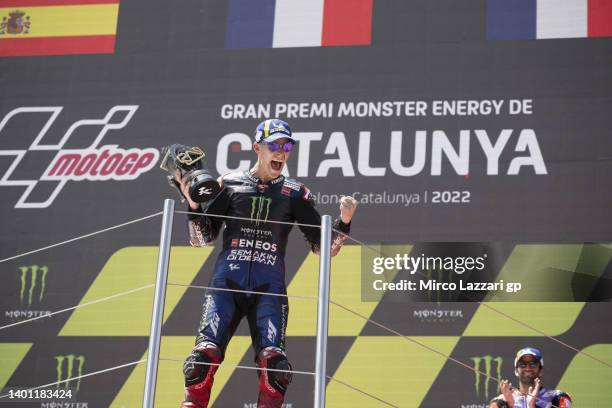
x,y
188,162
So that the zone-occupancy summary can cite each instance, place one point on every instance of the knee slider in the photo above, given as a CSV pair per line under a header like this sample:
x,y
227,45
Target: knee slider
x,y
274,358
206,352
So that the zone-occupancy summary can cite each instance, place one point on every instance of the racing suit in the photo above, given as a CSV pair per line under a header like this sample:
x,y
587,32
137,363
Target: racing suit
x,y
546,399
252,258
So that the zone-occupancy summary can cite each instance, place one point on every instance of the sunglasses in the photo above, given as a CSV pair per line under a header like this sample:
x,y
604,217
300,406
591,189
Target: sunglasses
x,y
275,147
531,364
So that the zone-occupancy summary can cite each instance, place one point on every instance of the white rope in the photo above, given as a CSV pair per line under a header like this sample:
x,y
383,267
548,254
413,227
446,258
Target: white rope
x,y
240,366
283,371
488,306
78,306
250,292
244,291
248,219
81,237
81,376
361,391
446,356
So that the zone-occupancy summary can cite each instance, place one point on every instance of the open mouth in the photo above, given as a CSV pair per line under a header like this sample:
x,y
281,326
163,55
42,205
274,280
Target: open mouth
x,y
276,165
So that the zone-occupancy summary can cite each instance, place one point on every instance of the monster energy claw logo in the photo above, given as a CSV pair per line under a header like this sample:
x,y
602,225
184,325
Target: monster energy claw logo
x,y
488,360
71,370
258,205
33,272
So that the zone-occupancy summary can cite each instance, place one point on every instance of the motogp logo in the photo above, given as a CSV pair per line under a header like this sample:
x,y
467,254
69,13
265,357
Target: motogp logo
x,y
95,162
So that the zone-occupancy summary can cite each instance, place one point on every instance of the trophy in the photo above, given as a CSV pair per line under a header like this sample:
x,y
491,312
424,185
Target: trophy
x,y
188,162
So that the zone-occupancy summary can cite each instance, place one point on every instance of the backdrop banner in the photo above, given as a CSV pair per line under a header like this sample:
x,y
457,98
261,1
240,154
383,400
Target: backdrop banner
x,y
475,138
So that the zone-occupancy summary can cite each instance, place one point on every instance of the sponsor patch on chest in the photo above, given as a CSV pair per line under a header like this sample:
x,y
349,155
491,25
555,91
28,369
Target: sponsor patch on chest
x,y
292,185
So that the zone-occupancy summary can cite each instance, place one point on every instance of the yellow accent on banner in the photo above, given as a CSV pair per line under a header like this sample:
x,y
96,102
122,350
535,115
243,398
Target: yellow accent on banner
x,y
544,270
391,368
130,268
11,355
552,273
169,389
60,21
588,381
552,318
345,288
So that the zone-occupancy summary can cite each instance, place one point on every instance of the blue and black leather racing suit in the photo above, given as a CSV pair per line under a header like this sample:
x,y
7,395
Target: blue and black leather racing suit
x,y
546,399
252,257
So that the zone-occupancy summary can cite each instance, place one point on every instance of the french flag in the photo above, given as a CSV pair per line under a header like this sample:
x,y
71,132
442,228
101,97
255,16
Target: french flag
x,y
298,23
539,19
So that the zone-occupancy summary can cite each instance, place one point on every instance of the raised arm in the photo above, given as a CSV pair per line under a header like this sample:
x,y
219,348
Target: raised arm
x,y
305,213
203,229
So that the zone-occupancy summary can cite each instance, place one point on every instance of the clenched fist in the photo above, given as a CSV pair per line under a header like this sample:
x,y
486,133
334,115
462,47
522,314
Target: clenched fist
x,y
348,205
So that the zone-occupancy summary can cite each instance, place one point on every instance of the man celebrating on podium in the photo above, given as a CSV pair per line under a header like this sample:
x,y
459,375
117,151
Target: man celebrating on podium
x,y
252,260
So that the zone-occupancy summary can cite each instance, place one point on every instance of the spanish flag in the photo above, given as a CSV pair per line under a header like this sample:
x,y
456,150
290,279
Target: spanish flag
x,y
57,27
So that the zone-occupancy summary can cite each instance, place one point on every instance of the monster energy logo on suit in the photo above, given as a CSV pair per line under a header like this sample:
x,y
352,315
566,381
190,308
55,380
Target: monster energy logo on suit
x,y
33,274
72,371
488,360
258,205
